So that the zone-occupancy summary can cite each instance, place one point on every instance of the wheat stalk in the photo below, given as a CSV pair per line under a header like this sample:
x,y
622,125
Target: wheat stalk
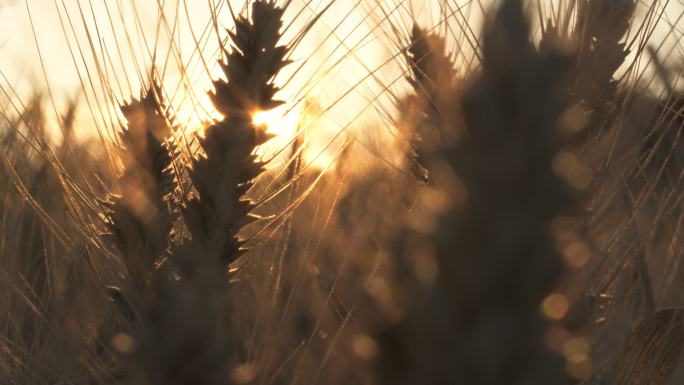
x,y
139,218
227,169
180,340
481,274
433,80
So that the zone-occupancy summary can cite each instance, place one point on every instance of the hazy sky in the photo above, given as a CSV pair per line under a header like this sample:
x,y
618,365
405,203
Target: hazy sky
x,y
101,49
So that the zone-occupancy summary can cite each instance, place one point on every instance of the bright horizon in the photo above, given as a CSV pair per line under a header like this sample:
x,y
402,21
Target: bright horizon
x,y
103,54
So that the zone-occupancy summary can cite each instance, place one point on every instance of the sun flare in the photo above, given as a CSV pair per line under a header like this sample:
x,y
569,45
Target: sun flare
x,y
284,123
279,121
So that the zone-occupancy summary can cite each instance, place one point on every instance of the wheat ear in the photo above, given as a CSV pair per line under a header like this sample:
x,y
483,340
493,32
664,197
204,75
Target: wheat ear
x,y
433,78
601,26
139,218
227,169
181,340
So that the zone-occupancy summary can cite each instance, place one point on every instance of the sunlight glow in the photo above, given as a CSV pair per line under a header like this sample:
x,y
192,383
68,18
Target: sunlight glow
x,y
279,121
283,123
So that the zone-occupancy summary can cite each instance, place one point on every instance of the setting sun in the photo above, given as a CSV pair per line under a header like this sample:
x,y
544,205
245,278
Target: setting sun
x,y
279,121
283,123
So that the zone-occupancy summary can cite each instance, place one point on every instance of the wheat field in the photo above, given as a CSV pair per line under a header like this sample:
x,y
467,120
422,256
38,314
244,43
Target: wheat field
x,y
305,192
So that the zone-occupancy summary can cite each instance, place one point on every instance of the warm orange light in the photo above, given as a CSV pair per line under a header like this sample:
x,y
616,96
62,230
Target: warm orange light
x,y
576,352
555,306
279,121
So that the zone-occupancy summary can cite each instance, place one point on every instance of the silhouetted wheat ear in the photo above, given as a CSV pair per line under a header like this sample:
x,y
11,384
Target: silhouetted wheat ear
x,y
227,169
139,218
432,77
601,26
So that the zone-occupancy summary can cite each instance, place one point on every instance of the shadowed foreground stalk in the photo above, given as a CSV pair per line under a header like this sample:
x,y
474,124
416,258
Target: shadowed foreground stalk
x,y
482,272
